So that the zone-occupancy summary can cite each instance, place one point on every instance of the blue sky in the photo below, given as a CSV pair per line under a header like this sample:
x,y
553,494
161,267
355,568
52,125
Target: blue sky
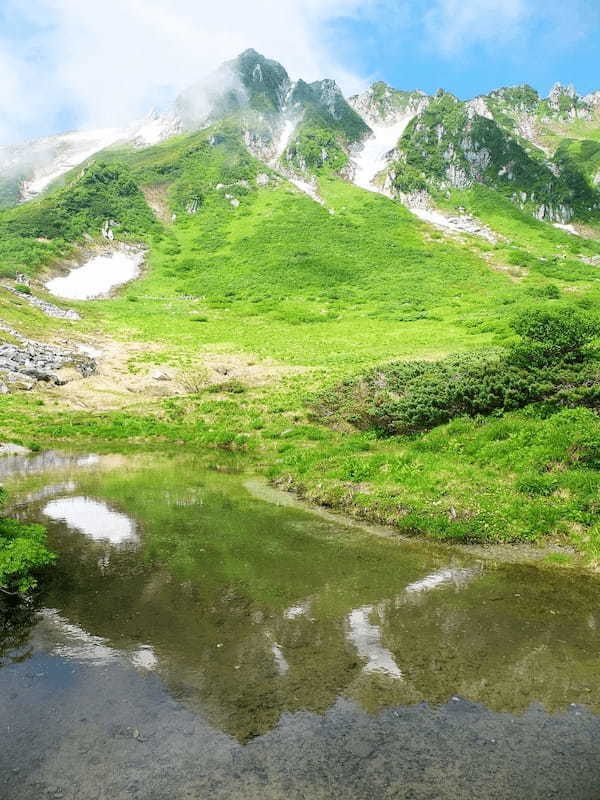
x,y
495,43
83,63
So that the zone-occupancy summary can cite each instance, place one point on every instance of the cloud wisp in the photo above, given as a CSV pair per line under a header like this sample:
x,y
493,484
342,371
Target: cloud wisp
x,y
111,61
453,26
104,63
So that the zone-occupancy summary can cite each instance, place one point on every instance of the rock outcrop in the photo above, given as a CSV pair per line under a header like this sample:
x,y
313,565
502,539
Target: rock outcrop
x,y
27,362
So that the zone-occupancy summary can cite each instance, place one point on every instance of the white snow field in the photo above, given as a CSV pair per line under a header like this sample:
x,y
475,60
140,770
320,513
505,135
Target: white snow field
x,y
307,188
286,134
98,276
65,152
372,158
457,223
48,158
284,140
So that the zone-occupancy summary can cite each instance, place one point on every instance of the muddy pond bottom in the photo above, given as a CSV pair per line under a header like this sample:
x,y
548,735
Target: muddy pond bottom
x,y
196,641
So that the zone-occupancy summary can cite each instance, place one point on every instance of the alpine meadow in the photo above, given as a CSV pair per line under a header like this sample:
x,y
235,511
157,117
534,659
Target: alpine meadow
x,y
380,310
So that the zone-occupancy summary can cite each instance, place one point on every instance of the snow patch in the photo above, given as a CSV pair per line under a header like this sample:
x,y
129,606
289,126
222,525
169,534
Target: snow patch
x,y
282,145
48,158
64,153
461,223
568,228
98,276
372,159
156,128
307,188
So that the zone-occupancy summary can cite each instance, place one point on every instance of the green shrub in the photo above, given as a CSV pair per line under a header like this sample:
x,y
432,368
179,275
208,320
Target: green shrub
x,y
405,397
551,291
550,336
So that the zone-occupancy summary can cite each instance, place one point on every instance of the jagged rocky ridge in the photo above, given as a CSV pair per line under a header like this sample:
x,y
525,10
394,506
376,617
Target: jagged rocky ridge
x,y
452,144
406,144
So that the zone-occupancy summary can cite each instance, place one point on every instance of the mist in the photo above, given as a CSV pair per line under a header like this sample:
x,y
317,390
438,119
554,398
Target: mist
x,y
104,64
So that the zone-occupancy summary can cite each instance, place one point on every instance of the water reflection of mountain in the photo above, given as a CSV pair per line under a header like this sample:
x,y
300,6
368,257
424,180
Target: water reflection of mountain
x,y
248,611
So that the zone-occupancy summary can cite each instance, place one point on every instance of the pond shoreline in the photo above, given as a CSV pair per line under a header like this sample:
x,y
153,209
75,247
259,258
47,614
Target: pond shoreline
x,y
195,616
498,552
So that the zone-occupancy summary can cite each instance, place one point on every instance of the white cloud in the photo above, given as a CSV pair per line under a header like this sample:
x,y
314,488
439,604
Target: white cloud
x,y
111,59
452,26
23,100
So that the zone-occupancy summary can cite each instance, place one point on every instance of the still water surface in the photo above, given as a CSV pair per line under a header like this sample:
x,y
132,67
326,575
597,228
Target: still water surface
x,y
197,641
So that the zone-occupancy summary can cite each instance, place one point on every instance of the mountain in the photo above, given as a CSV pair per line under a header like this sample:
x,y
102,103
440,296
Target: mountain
x,y
450,145
540,153
28,169
437,155
256,93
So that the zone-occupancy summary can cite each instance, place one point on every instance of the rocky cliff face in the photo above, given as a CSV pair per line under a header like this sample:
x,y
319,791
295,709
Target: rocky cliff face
x,y
592,99
489,140
381,104
565,102
404,143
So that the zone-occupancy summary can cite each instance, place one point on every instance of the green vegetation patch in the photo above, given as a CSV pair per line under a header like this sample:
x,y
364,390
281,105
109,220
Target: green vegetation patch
x,y
550,363
23,551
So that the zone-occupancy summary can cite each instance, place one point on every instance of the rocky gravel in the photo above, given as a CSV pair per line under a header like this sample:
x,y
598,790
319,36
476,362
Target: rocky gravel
x,y
26,362
47,308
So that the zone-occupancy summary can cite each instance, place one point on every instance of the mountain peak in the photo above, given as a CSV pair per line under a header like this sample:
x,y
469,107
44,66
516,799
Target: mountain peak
x,y
249,81
381,103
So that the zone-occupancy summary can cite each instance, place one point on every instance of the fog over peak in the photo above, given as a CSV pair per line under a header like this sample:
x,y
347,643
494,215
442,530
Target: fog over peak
x,y
102,64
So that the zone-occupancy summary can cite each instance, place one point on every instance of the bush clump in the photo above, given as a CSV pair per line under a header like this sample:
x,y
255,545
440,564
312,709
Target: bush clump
x,y
552,362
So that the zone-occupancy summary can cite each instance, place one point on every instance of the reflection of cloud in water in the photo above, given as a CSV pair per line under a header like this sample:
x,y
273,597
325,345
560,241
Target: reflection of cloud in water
x,y
61,638
301,610
459,577
280,659
366,637
94,519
